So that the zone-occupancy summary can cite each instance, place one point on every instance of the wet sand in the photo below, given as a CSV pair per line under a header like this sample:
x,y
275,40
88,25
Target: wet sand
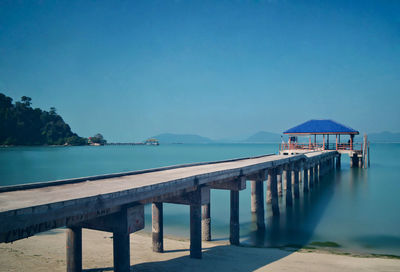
x,y
46,252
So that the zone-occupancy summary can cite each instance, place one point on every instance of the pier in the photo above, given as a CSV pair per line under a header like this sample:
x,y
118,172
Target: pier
x,y
115,202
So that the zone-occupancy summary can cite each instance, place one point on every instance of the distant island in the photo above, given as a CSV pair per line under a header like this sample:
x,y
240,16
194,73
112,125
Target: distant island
x,y
259,137
264,137
20,124
170,138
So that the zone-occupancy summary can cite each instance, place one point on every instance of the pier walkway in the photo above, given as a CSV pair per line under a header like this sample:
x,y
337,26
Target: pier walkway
x,y
115,202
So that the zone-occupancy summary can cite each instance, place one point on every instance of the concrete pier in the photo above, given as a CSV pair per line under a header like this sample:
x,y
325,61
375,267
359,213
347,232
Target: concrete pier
x,y
206,222
273,189
234,220
115,202
157,227
74,249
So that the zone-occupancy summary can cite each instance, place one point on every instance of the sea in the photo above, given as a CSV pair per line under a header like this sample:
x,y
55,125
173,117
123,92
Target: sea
x,y
356,210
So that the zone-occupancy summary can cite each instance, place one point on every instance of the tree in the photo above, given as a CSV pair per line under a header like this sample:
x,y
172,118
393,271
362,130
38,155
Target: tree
x,y
26,101
76,140
97,139
20,124
53,111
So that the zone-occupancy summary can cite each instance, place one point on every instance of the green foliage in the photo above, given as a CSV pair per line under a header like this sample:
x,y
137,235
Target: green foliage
x,y
97,139
76,140
20,124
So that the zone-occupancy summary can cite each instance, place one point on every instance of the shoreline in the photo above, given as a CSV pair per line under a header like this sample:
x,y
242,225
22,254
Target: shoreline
x,y
308,248
46,252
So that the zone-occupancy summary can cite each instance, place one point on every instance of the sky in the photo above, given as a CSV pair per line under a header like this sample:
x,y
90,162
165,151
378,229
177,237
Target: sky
x,y
220,69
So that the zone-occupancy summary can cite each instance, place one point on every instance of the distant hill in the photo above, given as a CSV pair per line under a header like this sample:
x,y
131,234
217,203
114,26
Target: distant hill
x,y
384,137
169,138
264,137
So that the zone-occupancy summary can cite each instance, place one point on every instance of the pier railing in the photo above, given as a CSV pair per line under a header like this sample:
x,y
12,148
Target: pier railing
x,y
321,146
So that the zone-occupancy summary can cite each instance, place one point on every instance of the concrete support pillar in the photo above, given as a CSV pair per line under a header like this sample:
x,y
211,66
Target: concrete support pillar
x,y
306,179
121,247
195,230
157,227
311,175
295,180
318,174
360,162
121,250
301,174
272,187
74,249
288,185
234,222
268,196
338,161
354,160
206,222
327,169
259,204
253,196
279,180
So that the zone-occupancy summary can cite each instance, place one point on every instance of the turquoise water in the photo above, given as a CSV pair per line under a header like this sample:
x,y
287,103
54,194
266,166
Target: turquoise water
x,y
356,208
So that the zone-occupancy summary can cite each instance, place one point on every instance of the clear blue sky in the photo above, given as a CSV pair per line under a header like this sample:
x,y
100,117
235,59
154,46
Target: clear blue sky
x,y
133,69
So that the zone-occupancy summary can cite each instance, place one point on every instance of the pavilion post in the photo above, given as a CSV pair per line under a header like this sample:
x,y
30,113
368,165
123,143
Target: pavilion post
x,y
351,141
336,143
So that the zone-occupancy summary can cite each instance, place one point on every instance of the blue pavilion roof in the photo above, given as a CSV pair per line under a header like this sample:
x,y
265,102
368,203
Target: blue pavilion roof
x,y
321,127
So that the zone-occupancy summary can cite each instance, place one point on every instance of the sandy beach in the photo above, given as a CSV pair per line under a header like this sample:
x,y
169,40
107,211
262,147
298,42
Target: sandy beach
x,y
46,252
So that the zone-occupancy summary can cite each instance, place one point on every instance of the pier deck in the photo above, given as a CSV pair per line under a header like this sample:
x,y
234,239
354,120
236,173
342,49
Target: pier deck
x,y
110,201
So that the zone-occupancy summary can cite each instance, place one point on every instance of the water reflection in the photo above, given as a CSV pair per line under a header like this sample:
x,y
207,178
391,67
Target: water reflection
x,y
295,225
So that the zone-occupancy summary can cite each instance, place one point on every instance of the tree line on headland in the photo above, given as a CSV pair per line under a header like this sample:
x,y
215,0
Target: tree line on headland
x,y
20,124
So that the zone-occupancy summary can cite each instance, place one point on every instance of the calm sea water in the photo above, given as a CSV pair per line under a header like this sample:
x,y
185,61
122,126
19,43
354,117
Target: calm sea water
x,y
356,208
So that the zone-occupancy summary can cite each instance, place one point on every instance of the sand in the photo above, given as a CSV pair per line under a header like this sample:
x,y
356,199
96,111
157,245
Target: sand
x,y
46,252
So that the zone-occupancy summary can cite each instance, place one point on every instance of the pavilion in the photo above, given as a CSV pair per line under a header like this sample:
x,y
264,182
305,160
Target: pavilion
x,y
324,128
